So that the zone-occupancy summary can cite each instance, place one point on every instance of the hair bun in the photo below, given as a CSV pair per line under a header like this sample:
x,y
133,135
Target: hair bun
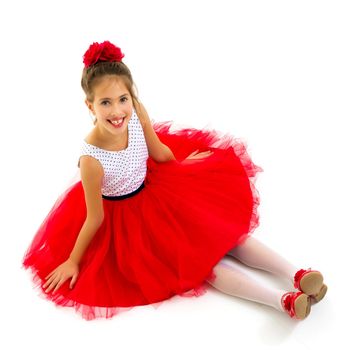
x,y
105,51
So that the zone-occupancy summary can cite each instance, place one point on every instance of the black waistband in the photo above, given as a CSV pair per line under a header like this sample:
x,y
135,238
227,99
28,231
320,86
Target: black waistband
x,y
118,198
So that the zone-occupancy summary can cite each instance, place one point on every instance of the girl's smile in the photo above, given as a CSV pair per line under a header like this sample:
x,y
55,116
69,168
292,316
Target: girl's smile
x,y
118,122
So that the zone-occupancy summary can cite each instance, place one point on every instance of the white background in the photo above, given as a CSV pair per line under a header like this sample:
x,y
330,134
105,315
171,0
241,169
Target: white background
x,y
274,73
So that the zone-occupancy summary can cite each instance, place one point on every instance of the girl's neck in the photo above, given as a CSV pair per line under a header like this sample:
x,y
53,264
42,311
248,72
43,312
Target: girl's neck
x,y
108,141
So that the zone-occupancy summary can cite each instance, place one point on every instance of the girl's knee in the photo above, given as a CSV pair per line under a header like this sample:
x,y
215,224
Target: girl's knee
x,y
217,271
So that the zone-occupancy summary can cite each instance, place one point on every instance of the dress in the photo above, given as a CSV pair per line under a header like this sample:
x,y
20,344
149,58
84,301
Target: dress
x,y
166,225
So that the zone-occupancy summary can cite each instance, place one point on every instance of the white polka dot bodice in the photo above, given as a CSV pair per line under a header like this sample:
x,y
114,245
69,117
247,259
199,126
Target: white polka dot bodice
x,y
125,170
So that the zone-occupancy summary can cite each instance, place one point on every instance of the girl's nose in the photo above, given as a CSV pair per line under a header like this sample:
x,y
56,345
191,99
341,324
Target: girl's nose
x,y
117,112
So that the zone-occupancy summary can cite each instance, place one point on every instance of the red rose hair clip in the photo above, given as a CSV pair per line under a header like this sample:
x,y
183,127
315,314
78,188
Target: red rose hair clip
x,y
105,51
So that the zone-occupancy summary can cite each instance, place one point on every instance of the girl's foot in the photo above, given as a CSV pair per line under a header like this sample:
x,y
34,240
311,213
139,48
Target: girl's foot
x,y
296,304
311,283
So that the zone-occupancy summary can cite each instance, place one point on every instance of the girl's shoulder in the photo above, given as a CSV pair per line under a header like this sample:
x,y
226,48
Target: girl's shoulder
x,y
88,149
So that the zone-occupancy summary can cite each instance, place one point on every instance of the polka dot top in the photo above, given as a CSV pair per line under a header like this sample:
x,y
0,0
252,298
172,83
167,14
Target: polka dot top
x,y
125,170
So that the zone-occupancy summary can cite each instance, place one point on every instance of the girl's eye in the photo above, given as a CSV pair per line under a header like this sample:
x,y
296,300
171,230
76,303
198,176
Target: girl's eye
x,y
105,103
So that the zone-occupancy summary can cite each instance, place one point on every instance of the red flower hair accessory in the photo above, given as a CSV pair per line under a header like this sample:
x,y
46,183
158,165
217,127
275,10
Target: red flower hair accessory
x,y
105,51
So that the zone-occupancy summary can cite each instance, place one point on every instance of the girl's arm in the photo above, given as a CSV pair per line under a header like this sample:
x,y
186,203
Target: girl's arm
x,y
85,236
91,176
156,149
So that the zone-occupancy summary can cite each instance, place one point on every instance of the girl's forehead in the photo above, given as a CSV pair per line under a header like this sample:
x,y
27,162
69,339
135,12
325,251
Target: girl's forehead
x,y
111,84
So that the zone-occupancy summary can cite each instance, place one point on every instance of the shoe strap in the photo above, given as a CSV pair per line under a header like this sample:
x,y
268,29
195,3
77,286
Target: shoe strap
x,y
288,302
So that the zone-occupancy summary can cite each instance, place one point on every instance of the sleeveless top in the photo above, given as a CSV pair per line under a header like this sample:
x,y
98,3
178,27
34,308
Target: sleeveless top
x,y
125,170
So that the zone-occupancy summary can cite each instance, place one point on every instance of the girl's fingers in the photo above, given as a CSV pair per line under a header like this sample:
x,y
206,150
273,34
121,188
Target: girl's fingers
x,y
193,152
58,285
50,274
203,154
200,155
52,284
52,277
72,282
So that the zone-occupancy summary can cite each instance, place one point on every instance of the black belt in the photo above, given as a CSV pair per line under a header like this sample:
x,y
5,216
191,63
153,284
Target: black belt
x,y
118,198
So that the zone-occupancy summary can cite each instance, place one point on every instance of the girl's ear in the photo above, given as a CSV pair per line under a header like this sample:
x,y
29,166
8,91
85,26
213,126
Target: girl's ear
x,y
89,105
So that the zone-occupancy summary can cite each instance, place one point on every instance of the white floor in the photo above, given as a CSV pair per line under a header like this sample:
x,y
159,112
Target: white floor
x,y
274,73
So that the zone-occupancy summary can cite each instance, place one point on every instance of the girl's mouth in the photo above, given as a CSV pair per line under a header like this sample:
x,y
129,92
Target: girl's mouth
x,y
117,123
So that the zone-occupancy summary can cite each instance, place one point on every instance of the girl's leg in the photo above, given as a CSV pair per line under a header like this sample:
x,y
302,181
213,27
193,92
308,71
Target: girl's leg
x,y
255,254
232,281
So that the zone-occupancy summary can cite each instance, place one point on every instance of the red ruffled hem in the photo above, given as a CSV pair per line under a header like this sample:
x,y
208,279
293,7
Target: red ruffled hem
x,y
89,312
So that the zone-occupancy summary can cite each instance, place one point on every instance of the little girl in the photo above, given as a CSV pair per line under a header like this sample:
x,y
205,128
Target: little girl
x,y
154,212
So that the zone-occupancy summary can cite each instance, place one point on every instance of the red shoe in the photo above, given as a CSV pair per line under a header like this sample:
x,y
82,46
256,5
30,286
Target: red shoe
x,y
311,283
296,304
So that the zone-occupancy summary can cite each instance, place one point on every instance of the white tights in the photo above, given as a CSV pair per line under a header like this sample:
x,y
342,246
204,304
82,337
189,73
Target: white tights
x,y
233,281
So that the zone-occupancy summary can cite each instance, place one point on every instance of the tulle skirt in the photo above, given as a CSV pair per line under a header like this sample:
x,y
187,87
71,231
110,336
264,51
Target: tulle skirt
x,y
165,239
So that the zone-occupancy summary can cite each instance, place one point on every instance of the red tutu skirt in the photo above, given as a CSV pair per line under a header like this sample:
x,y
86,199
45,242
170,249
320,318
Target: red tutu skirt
x,y
164,240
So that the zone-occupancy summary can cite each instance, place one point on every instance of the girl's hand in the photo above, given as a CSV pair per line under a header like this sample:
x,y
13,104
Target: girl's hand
x,y
195,155
140,111
68,269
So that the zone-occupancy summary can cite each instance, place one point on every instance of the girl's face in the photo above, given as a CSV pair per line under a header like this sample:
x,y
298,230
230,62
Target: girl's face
x,y
112,105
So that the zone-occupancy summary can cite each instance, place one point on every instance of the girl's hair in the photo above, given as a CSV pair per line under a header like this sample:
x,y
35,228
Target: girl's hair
x,y
93,74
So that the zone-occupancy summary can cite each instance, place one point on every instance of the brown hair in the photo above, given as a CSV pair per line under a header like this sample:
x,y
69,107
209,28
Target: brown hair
x,y
94,73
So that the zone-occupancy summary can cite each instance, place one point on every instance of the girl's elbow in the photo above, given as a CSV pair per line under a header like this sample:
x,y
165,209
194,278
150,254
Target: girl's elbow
x,y
166,154
162,158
